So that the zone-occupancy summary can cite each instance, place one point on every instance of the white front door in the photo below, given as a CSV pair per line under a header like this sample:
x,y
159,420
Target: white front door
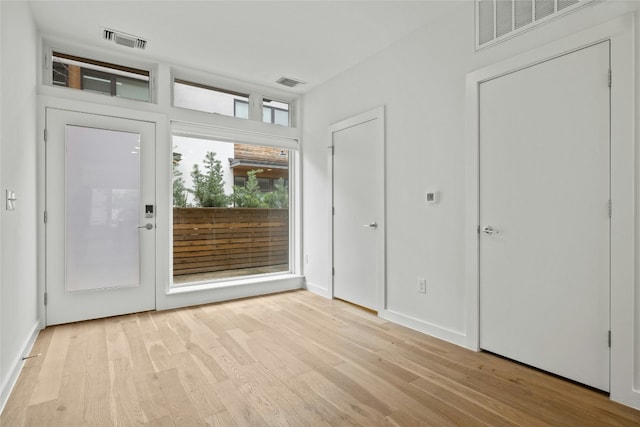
x,y
358,209
100,230
544,215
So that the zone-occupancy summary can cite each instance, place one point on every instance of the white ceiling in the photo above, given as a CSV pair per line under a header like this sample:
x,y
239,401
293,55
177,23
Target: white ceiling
x,y
253,41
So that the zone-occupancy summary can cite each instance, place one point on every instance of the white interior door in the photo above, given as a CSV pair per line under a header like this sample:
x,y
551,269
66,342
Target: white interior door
x,y
358,214
100,230
544,191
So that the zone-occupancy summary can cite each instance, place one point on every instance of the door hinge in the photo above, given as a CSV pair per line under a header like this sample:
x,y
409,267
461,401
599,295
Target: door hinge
x,y
333,210
610,208
333,149
46,298
609,339
46,216
609,77
45,135
333,271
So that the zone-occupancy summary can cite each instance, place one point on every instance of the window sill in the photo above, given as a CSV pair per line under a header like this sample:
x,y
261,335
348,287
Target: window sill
x,y
235,283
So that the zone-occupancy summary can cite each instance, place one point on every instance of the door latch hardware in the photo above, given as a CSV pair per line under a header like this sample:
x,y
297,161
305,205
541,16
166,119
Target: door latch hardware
x,y
487,229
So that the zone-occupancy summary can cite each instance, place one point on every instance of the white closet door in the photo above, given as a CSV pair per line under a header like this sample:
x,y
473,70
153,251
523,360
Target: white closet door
x,y
544,194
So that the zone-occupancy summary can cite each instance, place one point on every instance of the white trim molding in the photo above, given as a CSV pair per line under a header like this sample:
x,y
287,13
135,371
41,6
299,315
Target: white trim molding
x,y
16,366
431,329
317,289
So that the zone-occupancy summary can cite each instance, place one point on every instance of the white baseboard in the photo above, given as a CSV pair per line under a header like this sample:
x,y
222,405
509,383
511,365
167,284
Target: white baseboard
x,y
635,402
319,290
631,399
16,366
430,329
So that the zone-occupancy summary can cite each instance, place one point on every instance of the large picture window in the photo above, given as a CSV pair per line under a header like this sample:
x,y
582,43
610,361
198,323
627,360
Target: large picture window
x,y
231,210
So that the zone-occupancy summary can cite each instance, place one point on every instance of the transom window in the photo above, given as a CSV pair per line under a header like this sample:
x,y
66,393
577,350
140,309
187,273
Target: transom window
x,y
100,77
274,112
195,96
210,99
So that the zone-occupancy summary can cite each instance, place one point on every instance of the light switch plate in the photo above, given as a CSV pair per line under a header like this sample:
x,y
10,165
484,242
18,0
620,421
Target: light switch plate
x,y
11,200
422,286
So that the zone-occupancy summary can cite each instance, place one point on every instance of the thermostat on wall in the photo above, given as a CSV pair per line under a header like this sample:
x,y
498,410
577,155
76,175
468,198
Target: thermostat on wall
x,y
432,197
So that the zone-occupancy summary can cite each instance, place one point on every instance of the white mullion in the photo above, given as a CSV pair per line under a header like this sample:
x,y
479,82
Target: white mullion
x,y
255,107
495,19
477,19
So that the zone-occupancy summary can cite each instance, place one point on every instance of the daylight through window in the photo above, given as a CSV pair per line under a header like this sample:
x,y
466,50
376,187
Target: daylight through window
x,y
209,99
230,210
100,77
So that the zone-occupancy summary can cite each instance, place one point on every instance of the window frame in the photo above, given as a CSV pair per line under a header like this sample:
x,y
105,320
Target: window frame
x,y
213,89
255,99
233,136
107,58
272,111
161,112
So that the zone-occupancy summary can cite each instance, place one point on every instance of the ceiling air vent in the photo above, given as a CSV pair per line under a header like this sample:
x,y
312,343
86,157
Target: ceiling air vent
x,y
286,81
124,39
498,20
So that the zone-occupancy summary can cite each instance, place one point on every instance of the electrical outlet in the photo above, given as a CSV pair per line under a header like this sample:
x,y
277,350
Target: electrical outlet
x,y
422,286
432,197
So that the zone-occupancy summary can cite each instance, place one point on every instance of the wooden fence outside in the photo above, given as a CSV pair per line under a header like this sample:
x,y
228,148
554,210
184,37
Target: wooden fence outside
x,y
207,240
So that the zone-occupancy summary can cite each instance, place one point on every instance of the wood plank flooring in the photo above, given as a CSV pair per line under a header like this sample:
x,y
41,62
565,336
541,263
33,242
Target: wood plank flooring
x,y
290,359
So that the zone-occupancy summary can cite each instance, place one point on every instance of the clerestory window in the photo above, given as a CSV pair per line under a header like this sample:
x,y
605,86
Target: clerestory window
x,y
210,99
100,77
199,97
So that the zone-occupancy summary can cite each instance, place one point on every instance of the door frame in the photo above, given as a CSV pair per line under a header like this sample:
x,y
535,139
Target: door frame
x,y
97,302
620,33
377,114
161,218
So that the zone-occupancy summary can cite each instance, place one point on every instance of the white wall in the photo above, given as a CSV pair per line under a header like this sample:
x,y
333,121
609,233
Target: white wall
x,y
421,82
23,102
18,268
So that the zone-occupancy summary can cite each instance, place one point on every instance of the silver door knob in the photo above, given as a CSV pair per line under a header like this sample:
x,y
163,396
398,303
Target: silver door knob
x,y
148,226
373,225
487,229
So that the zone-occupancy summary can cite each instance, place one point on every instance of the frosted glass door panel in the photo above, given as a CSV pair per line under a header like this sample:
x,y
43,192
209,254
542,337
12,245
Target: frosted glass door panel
x,y
102,208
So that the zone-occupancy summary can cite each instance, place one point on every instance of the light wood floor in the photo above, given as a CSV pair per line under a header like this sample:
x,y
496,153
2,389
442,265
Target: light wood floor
x,y
291,359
